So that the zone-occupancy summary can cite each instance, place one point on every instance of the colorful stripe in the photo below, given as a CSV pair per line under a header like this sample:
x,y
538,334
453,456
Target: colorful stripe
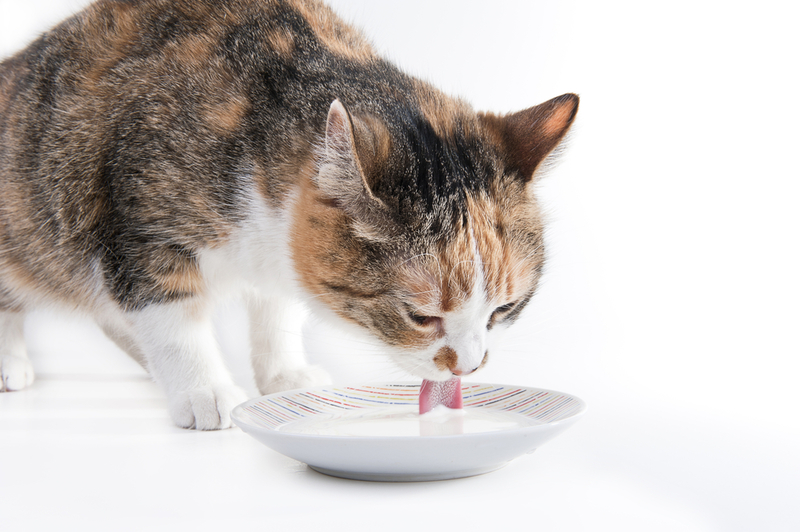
x,y
540,405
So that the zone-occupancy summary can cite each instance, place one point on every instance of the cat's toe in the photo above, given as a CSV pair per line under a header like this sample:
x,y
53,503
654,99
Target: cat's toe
x,y
305,377
206,408
16,373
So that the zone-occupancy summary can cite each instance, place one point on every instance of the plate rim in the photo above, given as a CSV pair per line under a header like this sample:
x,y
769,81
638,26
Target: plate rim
x,y
236,418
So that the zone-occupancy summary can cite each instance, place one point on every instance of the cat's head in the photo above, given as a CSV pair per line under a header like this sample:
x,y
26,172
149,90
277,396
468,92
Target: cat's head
x,y
423,229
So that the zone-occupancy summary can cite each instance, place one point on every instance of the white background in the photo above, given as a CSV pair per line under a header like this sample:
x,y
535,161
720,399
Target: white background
x,y
670,302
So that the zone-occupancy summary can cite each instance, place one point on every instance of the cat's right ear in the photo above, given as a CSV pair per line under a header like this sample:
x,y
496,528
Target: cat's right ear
x,y
528,137
343,176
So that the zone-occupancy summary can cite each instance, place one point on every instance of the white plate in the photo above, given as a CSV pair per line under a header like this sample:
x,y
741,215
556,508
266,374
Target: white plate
x,y
387,440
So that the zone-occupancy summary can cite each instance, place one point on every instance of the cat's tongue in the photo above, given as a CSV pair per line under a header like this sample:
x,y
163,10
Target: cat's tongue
x,y
434,393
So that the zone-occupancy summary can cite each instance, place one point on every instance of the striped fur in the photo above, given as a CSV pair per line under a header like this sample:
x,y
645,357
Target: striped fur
x,y
158,154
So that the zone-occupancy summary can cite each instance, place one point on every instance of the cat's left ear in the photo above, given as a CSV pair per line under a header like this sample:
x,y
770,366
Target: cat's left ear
x,y
528,137
343,178
353,149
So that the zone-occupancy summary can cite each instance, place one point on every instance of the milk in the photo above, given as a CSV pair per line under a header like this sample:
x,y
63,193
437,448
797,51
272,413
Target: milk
x,y
405,421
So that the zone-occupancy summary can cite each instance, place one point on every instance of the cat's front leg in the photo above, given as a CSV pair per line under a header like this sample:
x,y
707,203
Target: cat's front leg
x,y
16,371
124,340
277,354
182,355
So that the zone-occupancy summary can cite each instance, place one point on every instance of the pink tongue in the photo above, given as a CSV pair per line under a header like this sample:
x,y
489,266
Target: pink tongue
x,y
434,393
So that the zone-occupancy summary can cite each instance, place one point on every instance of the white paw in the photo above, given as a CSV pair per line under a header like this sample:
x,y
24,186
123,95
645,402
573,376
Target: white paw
x,y
304,377
16,373
205,408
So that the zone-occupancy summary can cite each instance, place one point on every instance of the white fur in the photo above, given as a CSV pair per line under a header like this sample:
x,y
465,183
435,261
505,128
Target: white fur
x,y
277,352
183,357
466,326
16,371
258,264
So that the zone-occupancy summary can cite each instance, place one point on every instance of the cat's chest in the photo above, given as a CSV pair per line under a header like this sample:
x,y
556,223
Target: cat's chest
x,y
255,253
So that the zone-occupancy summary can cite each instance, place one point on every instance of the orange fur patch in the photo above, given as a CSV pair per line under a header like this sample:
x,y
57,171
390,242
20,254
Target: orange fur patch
x,y
5,90
446,358
421,278
457,258
225,117
507,273
194,51
309,241
442,280
445,114
333,266
337,36
177,275
112,40
17,276
281,42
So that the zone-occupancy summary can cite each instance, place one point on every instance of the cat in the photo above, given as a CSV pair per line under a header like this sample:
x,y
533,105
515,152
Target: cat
x,y
159,155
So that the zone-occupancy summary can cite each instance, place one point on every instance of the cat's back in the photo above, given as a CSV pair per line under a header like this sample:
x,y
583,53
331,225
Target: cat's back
x,y
125,130
177,76
160,44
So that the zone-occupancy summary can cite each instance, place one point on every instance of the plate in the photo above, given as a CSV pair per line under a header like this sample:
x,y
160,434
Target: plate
x,y
373,431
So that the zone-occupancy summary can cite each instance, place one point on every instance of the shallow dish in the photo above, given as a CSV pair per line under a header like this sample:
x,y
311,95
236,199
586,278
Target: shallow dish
x,y
372,431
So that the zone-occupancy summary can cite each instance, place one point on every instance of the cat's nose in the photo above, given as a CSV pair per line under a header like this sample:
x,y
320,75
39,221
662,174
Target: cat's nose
x,y
460,372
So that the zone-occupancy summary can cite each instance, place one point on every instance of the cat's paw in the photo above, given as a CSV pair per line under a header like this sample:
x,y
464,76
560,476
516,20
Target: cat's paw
x,y
16,373
205,408
304,377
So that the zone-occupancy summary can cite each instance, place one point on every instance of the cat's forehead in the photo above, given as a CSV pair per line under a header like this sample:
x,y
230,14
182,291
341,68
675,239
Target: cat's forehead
x,y
478,255
438,157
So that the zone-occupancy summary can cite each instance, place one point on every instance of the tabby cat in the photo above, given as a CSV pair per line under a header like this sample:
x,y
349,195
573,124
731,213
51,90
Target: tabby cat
x,y
159,155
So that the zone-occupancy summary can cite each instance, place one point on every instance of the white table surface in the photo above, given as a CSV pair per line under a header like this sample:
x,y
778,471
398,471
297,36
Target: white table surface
x,y
92,448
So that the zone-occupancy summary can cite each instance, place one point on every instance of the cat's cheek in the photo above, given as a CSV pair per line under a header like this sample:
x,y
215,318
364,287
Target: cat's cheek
x,y
498,335
495,337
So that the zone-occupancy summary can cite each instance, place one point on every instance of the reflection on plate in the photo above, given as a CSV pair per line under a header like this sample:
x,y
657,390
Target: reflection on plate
x,y
373,432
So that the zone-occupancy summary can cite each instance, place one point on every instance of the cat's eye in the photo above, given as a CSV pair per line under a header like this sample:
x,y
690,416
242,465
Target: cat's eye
x,y
498,313
423,321
504,308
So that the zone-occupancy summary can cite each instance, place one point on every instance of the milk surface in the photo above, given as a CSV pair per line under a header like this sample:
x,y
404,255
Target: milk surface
x,y
405,421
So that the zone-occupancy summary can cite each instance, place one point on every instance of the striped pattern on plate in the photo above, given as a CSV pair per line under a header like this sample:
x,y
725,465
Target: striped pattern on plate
x,y
541,405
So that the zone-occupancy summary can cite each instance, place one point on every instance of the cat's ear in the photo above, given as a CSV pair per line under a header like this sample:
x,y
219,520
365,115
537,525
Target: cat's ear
x,y
529,136
348,162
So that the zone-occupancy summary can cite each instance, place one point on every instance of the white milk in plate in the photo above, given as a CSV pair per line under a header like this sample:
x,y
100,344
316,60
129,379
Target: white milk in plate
x,y
405,421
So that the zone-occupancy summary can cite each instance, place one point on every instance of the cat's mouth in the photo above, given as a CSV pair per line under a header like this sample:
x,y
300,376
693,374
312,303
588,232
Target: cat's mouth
x,y
441,365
